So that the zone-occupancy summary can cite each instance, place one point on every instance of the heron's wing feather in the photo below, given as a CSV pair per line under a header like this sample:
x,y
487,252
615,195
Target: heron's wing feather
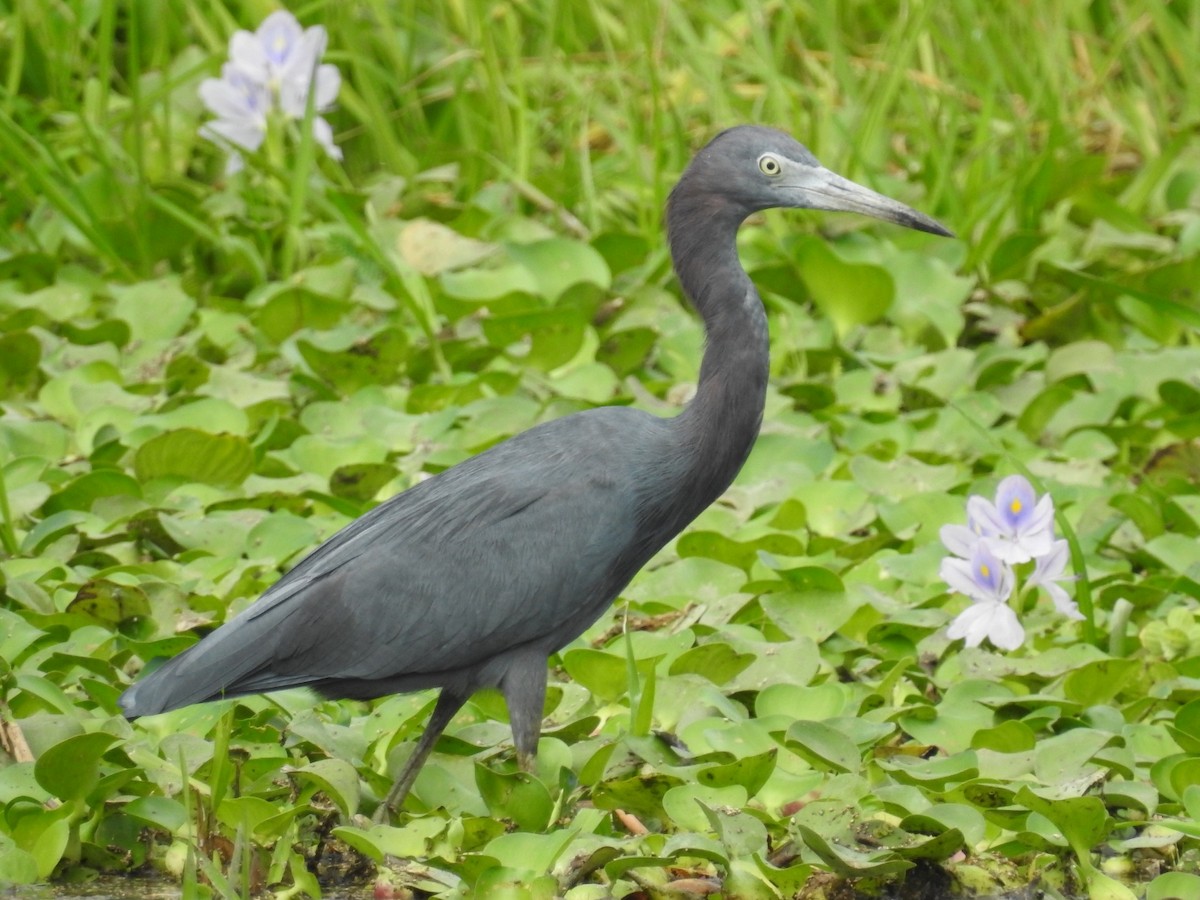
x,y
512,547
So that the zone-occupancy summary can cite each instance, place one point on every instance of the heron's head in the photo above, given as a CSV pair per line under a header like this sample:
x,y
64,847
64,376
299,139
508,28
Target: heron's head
x,y
753,168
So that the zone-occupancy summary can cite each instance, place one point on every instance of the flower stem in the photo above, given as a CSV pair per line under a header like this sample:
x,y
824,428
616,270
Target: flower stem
x,y
1117,625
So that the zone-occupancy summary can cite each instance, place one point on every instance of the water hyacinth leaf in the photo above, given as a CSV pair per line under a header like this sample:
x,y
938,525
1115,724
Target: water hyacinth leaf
x,y
20,353
110,602
816,702
280,536
45,838
222,534
360,481
742,834
432,248
209,414
71,768
17,866
686,804
336,778
815,614
536,853
374,360
716,661
90,487
154,310
295,308
602,673
625,351
222,460
516,796
487,283
1186,727
413,840
751,772
1173,885
591,382
640,795
1012,736
1083,821
823,747
245,812
936,773
553,336
850,294
558,263
942,817
848,862
939,847
1098,681
159,812
1061,760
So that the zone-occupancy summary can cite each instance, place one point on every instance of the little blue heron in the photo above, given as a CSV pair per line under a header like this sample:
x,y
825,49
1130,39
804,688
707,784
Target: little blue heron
x,y
472,578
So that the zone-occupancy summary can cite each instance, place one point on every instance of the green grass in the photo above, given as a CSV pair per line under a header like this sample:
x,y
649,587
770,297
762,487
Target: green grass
x,y
201,377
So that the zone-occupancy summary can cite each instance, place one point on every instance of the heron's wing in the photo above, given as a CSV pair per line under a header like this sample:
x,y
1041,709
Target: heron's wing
x,y
514,546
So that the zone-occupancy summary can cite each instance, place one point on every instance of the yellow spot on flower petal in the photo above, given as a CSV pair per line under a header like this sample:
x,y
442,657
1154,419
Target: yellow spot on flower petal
x,y
1015,507
985,571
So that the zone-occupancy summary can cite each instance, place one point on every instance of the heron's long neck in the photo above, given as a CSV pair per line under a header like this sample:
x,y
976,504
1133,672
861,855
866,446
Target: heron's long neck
x,y
718,428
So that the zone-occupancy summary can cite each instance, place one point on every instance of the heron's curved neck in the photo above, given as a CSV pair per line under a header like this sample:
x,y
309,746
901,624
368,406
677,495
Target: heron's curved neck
x,y
718,428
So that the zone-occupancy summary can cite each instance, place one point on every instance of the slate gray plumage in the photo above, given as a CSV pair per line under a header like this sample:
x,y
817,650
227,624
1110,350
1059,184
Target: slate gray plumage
x,y
472,578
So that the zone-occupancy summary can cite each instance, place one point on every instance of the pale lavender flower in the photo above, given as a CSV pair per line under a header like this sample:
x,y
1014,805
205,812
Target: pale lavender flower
x,y
983,577
241,105
994,621
988,581
1018,527
1048,571
961,539
272,69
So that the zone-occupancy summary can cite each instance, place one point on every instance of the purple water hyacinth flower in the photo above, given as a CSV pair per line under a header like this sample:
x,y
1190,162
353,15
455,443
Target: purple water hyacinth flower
x,y
272,69
983,577
989,582
1048,571
1018,527
241,105
961,539
994,621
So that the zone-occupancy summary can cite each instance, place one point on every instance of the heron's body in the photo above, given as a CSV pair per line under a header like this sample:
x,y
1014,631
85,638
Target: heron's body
x,y
472,578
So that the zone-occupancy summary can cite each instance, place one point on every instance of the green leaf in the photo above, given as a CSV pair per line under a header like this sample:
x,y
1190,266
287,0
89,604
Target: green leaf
x,y
17,866
517,796
1098,681
1173,886
823,747
716,661
360,481
70,769
687,804
222,460
847,862
558,263
1083,821
154,310
336,778
110,602
20,353
159,812
849,294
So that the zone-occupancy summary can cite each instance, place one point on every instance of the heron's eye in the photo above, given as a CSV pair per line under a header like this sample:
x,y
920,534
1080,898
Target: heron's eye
x,y
769,164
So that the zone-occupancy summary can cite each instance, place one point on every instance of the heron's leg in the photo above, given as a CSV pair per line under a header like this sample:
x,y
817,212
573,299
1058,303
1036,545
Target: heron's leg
x,y
524,687
443,711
